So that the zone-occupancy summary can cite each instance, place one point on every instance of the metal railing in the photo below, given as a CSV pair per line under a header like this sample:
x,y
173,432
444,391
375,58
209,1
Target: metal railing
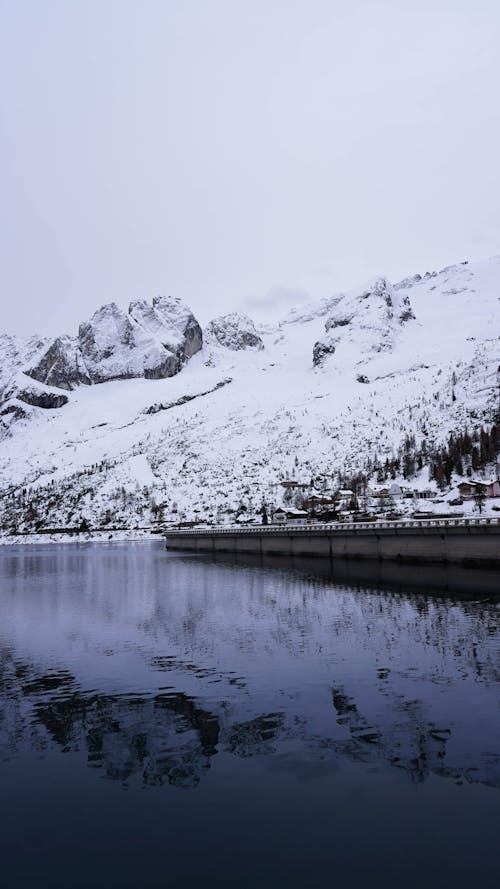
x,y
332,527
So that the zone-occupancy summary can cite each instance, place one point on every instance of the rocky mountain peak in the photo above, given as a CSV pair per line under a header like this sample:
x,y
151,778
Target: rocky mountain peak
x,y
367,320
234,331
60,364
152,341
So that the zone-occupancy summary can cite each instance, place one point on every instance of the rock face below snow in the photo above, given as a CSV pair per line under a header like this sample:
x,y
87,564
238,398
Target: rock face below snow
x,y
322,349
38,397
151,341
21,395
171,323
366,321
16,353
234,331
114,346
61,365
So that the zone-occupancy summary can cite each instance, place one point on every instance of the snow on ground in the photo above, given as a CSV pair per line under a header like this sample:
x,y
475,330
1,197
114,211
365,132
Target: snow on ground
x,y
278,417
89,537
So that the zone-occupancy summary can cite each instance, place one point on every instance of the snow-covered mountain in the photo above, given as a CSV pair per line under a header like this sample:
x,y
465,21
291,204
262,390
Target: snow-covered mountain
x,y
189,426
151,341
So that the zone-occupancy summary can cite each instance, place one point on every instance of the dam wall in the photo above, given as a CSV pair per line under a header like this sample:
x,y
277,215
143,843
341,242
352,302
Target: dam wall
x,y
438,541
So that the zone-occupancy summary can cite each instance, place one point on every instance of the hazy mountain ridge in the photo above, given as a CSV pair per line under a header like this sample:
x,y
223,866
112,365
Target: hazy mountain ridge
x,y
419,358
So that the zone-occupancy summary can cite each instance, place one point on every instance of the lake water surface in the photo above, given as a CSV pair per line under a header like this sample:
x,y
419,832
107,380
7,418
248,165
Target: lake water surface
x,y
171,721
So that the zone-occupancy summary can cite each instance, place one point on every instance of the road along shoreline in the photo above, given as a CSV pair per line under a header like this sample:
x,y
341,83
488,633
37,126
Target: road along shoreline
x,y
439,541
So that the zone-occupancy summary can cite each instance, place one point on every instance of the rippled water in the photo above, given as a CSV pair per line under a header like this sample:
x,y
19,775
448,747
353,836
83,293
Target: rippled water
x,y
168,720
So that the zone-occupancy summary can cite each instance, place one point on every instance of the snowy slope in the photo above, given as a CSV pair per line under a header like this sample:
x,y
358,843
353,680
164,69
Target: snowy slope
x,y
417,358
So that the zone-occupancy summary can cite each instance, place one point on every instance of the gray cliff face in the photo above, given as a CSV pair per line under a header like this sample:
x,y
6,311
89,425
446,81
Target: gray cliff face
x,y
234,331
193,338
21,396
19,392
42,398
167,365
180,331
15,354
61,365
151,341
175,328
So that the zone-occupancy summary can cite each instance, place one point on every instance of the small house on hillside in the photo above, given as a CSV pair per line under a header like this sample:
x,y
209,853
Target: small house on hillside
x,y
426,494
317,500
290,517
398,492
382,493
468,490
344,498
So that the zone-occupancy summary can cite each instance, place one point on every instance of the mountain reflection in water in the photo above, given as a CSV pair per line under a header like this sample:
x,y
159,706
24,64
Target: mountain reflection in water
x,y
162,671
165,735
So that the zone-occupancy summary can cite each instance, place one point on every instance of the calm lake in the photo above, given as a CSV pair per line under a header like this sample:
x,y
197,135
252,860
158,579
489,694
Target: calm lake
x,y
171,721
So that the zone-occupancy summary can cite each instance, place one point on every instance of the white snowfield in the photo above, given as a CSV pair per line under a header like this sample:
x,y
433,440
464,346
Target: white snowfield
x,y
419,358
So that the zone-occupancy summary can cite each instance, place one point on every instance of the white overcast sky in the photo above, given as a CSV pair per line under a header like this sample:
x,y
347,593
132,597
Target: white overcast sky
x,y
238,152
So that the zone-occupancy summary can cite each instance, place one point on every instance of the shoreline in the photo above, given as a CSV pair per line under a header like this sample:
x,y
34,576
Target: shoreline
x,y
471,543
82,537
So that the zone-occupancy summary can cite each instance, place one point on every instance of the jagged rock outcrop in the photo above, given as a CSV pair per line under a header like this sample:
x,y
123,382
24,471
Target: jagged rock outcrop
x,y
234,331
16,353
180,331
152,341
24,388
406,283
18,392
374,308
173,326
12,409
322,349
366,321
22,395
61,365
44,398
114,346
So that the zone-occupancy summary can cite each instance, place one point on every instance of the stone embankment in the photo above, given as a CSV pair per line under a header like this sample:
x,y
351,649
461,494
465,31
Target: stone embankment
x,y
440,541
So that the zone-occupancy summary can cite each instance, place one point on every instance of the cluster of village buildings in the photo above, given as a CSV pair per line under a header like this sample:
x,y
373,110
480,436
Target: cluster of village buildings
x,y
385,500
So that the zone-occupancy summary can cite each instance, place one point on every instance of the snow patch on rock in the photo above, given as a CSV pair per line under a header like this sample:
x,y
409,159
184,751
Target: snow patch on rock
x,y
152,341
364,322
235,331
60,364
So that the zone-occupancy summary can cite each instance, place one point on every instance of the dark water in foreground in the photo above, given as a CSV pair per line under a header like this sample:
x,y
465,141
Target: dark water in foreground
x,y
167,721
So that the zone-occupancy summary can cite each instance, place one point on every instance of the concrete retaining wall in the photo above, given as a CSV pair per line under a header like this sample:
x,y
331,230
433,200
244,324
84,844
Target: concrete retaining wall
x,y
460,542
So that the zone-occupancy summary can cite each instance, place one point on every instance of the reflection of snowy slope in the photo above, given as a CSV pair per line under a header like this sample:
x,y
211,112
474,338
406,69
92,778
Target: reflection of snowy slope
x,y
418,358
261,666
